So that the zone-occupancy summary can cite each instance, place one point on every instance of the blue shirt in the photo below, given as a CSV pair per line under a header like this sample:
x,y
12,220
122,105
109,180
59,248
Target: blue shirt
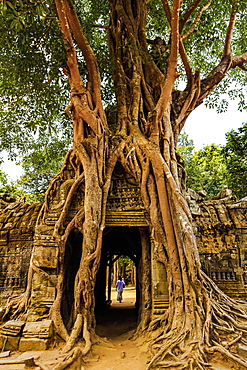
x,y
120,285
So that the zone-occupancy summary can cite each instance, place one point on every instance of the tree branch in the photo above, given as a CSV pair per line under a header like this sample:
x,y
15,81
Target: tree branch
x,y
171,74
240,61
88,54
196,21
217,74
80,109
186,63
188,13
230,28
227,62
69,46
167,10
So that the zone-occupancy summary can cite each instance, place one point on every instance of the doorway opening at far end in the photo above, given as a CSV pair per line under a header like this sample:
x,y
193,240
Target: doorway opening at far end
x,y
121,256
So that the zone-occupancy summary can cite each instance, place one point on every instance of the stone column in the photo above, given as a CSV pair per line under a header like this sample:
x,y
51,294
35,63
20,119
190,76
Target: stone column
x,y
160,295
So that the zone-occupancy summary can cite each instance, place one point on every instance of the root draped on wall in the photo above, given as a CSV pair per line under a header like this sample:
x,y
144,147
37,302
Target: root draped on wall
x,y
201,320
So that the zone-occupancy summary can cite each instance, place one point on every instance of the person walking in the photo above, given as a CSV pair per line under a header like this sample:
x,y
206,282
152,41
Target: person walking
x,y
120,287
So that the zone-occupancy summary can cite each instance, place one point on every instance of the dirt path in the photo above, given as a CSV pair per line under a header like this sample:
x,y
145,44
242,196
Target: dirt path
x,y
116,350
116,325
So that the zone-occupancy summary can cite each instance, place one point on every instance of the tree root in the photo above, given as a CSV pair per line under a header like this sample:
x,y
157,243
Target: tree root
x,y
20,303
74,334
87,338
71,357
73,353
191,346
41,366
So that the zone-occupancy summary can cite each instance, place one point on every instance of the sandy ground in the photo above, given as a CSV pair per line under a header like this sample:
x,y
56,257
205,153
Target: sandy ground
x,y
116,350
116,326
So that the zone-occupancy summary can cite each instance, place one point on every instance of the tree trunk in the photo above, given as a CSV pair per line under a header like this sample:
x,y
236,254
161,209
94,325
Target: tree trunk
x,y
150,115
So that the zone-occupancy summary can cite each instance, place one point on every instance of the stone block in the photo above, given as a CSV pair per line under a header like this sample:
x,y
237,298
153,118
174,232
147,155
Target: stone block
x,y
14,234
9,343
9,225
12,327
45,256
3,237
40,329
33,344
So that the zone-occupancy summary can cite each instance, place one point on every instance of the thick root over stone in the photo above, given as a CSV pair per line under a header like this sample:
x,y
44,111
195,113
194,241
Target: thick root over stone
x,y
195,345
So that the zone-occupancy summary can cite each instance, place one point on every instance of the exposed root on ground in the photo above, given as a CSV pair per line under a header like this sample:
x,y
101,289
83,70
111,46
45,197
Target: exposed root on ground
x,y
191,344
68,360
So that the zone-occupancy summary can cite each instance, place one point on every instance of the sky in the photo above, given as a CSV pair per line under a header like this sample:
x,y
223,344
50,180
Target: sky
x,y
204,126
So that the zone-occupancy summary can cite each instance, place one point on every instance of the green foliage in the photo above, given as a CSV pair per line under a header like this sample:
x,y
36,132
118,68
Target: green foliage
x,y
205,168
41,164
13,189
32,86
214,166
235,154
3,178
34,90
185,148
205,46
209,170
125,261
40,161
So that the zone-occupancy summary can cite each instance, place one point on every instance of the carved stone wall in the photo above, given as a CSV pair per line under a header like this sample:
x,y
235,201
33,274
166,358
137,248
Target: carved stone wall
x,y
220,226
17,223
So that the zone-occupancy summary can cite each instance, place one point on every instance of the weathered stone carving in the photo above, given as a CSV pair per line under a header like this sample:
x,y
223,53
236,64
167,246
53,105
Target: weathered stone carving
x,y
220,225
17,224
36,336
12,327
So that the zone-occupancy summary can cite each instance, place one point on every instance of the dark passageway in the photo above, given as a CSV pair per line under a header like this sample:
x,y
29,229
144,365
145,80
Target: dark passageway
x,y
113,318
73,253
118,318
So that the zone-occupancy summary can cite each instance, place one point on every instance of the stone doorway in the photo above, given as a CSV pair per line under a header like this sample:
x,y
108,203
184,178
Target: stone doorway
x,y
129,242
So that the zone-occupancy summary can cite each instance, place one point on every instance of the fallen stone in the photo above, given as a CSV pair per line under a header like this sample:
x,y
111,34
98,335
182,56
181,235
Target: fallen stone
x,y
12,327
28,362
9,343
33,344
34,354
42,329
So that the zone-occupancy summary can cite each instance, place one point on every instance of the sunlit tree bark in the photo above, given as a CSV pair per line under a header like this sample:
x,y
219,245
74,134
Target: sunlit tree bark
x,y
150,115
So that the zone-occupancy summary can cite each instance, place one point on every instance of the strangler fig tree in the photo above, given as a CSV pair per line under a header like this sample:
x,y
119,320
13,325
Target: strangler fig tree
x,y
152,63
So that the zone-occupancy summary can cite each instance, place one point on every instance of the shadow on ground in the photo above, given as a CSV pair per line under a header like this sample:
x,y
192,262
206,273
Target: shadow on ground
x,y
118,318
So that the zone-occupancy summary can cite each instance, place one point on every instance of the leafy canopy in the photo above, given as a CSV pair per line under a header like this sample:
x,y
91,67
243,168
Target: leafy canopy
x,y
235,154
214,166
34,90
205,168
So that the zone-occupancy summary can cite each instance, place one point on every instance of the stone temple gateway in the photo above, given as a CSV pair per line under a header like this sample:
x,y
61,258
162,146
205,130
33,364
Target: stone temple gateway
x,y
220,225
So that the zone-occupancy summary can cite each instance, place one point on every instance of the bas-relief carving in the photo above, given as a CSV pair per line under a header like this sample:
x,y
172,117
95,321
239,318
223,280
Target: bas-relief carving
x,y
220,225
221,230
124,195
17,221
